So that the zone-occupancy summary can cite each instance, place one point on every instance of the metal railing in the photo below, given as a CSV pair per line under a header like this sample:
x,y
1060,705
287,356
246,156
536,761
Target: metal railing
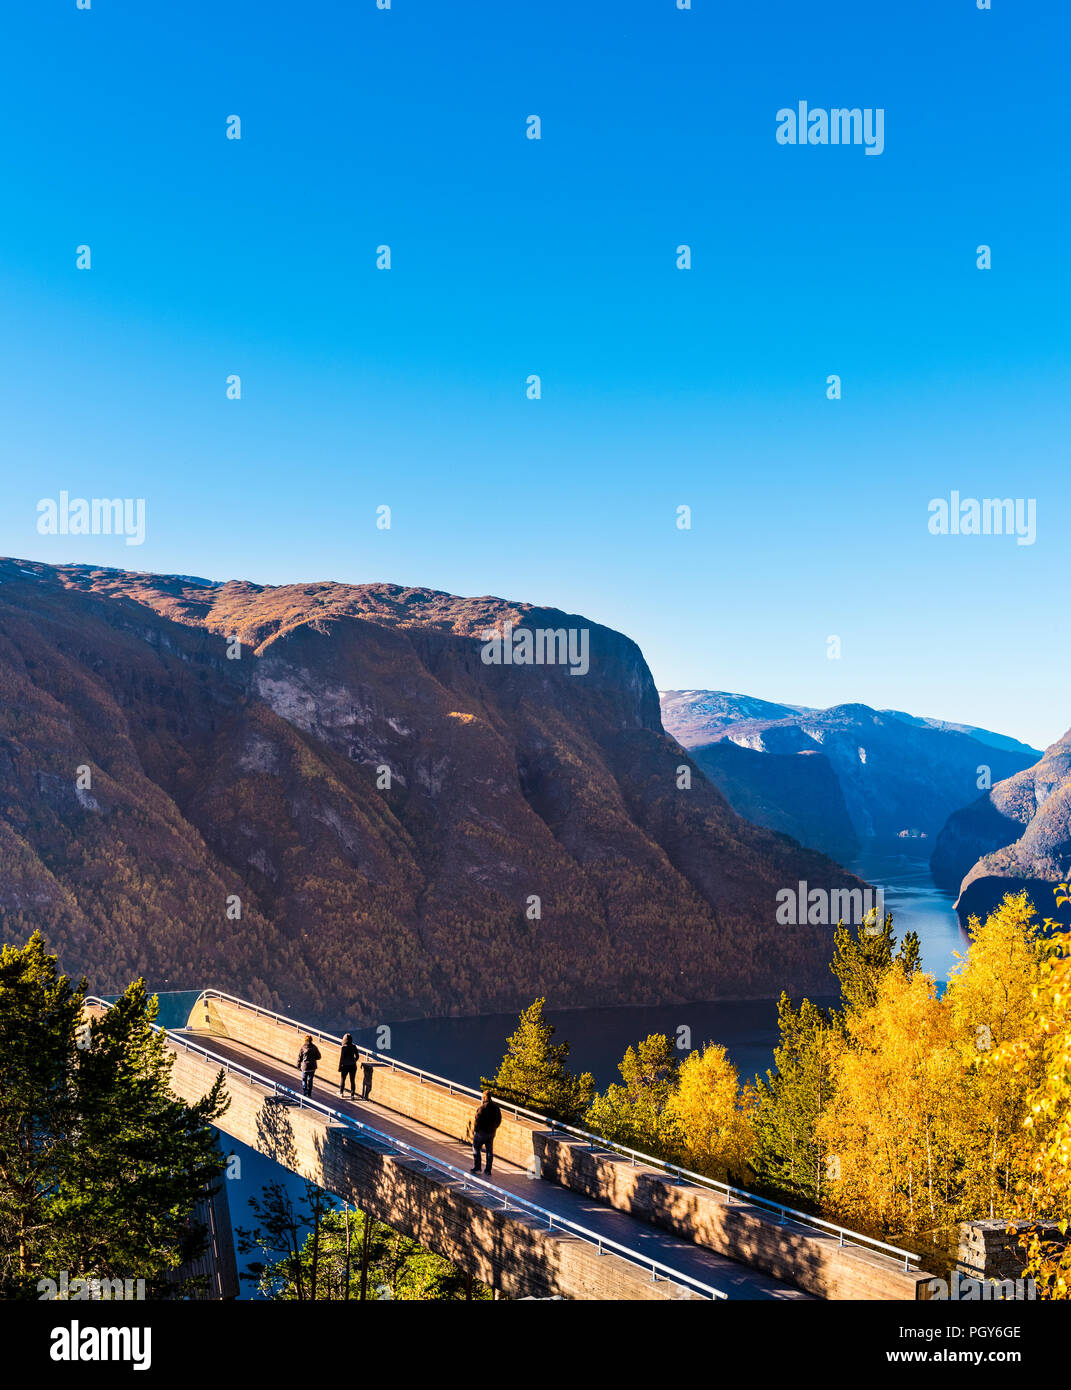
x,y
844,1235
509,1199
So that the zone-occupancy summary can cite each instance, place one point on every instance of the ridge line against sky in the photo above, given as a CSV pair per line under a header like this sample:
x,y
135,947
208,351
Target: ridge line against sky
x,y
662,689
661,387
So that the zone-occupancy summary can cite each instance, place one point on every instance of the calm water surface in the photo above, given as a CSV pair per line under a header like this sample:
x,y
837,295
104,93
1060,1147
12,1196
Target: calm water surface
x,y
466,1048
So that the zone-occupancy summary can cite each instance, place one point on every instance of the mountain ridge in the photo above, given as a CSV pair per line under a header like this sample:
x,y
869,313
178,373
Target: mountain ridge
x,y
235,734
837,778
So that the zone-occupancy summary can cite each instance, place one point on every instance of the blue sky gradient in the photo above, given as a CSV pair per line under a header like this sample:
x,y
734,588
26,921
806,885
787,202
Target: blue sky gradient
x,y
660,387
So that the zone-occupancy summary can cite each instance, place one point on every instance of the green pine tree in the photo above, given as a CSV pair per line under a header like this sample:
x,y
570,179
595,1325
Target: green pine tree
x,y
100,1164
304,1263
632,1114
788,1158
860,958
40,1012
909,956
534,1072
317,1251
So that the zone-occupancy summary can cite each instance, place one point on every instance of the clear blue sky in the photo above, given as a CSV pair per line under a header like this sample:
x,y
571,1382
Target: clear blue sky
x,y
661,387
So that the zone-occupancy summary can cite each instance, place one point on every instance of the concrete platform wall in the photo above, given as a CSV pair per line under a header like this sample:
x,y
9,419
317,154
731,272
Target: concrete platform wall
x,y
401,1091
510,1250
813,1261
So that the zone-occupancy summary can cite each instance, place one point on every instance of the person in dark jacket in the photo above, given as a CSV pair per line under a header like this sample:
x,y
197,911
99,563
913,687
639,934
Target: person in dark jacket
x,y
487,1120
367,1068
306,1060
347,1065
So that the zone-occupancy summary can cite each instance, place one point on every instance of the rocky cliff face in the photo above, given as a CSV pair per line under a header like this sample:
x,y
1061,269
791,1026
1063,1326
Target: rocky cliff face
x,y
835,777
1018,835
321,797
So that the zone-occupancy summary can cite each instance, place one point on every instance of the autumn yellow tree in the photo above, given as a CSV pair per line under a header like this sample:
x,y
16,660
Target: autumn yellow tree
x,y
708,1117
1046,1132
886,1133
991,999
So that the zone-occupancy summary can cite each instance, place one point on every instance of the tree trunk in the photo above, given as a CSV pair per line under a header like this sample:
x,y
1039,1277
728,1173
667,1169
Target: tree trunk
x,y
349,1265
366,1246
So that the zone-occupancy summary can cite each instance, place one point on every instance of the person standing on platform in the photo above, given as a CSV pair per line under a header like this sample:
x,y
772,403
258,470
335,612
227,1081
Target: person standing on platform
x,y
307,1059
488,1118
347,1065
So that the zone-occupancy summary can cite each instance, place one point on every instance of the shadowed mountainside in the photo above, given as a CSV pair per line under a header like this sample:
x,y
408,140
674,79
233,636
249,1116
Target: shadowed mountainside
x,y
834,778
1018,835
235,738
795,793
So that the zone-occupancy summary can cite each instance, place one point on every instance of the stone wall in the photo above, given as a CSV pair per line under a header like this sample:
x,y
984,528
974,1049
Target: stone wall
x,y
449,1112
987,1250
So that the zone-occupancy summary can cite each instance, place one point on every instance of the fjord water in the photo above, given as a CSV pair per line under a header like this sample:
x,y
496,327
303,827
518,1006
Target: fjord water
x,y
466,1048
916,903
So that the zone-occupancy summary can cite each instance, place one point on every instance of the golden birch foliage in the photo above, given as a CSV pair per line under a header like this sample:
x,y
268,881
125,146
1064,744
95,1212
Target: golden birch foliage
x,y
1046,1131
886,1132
991,999
993,986
709,1116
